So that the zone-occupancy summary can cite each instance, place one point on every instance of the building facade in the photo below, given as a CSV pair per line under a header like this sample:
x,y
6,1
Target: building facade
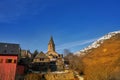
x,y
25,54
8,60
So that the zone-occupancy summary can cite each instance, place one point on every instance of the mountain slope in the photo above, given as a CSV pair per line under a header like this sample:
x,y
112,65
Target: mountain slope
x,y
103,62
109,49
98,43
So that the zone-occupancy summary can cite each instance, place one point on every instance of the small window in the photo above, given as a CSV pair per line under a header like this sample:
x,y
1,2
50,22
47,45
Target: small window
x,y
1,60
15,61
9,61
41,59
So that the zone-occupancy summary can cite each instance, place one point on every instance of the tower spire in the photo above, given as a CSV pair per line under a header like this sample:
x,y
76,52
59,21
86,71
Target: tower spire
x,y
51,45
51,40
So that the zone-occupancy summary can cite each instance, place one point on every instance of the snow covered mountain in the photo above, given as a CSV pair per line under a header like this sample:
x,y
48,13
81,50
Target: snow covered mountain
x,y
98,42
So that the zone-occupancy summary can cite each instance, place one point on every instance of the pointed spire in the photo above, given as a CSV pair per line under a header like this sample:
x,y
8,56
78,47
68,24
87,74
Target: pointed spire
x,y
51,45
51,40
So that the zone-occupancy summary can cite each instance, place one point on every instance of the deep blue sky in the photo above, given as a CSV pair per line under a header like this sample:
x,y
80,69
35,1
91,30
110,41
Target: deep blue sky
x,y
74,24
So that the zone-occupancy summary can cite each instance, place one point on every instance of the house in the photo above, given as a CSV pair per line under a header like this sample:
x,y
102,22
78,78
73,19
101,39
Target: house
x,y
25,54
41,62
8,60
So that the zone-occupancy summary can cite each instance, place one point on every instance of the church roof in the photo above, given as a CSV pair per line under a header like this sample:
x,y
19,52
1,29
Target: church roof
x,y
41,55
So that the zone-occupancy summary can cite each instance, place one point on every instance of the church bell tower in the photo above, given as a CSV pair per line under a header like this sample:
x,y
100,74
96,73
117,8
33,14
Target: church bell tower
x,y
51,45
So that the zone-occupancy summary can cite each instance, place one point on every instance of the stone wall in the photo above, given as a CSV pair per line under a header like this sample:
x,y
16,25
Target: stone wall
x,y
60,76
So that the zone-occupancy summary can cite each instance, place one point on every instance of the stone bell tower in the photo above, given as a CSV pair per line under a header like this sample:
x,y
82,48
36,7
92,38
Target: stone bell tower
x,y
51,45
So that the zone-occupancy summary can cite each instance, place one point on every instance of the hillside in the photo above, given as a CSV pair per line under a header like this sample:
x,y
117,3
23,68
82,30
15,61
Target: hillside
x,y
98,42
110,48
103,61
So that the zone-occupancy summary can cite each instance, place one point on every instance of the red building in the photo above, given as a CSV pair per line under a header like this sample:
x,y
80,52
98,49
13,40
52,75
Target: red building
x,y
8,60
8,63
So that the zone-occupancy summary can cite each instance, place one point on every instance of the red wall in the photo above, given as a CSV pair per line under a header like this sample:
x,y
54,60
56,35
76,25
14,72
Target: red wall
x,y
8,70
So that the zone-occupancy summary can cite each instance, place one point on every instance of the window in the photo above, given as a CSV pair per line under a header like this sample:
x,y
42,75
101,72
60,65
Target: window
x,y
41,59
1,60
15,61
9,61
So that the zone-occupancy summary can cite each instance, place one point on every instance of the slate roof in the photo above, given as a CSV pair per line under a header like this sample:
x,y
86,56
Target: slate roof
x,y
9,48
41,55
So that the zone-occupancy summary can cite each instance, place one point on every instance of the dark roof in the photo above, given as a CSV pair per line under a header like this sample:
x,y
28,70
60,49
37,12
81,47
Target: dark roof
x,y
9,43
9,48
8,54
41,55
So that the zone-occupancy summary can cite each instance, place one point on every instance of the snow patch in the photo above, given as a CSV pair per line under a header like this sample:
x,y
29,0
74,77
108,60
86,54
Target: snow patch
x,y
98,42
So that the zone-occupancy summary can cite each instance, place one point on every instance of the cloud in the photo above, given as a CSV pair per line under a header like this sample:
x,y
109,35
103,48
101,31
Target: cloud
x,y
74,44
11,10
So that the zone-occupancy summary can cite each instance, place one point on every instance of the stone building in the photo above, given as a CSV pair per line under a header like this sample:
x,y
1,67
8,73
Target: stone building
x,y
41,62
51,53
25,53
50,61
41,57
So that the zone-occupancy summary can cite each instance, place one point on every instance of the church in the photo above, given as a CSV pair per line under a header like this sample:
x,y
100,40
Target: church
x,y
49,61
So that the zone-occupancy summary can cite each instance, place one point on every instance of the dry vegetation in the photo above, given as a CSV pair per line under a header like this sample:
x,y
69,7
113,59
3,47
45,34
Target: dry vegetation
x,y
33,76
102,63
50,76
75,62
60,76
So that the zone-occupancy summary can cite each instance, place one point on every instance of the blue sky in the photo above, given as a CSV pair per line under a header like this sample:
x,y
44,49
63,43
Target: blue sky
x,y
74,24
